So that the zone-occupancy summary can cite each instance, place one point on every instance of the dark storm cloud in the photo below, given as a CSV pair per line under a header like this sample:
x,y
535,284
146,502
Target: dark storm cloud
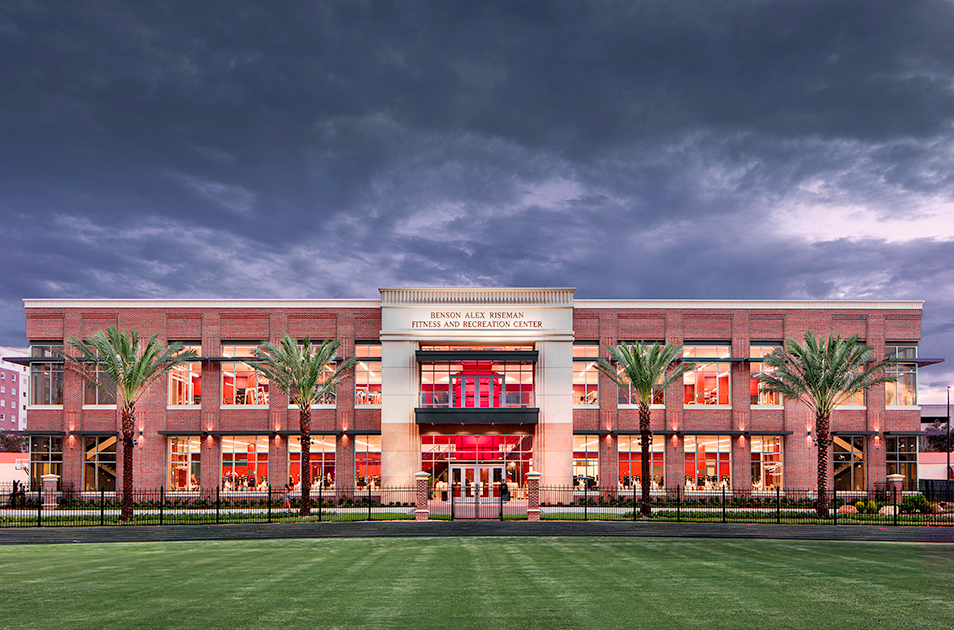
x,y
632,149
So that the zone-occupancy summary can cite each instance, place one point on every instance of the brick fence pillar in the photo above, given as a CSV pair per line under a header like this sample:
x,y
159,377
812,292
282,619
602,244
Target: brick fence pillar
x,y
49,490
422,512
895,484
533,495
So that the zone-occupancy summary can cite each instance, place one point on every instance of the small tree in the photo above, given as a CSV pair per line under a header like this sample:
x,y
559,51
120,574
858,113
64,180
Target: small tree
x,y
822,373
304,373
649,369
119,357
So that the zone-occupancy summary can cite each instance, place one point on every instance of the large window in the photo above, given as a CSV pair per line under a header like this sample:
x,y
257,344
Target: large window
x,y
708,461
708,382
46,379
185,381
244,462
586,461
759,396
98,387
46,458
99,462
476,384
367,374
322,455
904,391
367,461
902,459
767,462
467,459
586,376
849,460
631,461
241,384
184,462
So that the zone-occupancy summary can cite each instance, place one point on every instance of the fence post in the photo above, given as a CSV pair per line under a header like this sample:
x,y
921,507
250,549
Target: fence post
x,y
39,508
369,496
634,500
270,503
778,506
102,507
452,498
586,486
834,502
678,504
896,508
533,495
422,513
162,503
320,500
723,504
500,492
218,497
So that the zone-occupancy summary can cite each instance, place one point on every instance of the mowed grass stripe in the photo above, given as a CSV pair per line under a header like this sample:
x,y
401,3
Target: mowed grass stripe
x,y
548,583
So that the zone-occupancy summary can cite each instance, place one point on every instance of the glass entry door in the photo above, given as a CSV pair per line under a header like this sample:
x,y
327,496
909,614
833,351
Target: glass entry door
x,y
477,482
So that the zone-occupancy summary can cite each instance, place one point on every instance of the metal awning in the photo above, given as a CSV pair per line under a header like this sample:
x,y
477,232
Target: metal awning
x,y
908,433
93,433
497,356
925,362
464,415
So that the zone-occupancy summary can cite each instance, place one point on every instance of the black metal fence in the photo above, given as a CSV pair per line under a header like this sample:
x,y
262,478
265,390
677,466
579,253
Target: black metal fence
x,y
792,506
931,507
160,507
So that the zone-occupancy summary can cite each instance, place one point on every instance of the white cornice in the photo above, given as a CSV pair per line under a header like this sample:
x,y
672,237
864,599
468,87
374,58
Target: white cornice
x,y
753,304
474,296
199,303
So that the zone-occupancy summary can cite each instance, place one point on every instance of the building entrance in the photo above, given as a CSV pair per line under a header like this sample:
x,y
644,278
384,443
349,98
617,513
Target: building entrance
x,y
477,482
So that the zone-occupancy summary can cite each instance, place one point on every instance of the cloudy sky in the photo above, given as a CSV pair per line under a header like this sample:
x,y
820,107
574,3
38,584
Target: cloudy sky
x,y
732,149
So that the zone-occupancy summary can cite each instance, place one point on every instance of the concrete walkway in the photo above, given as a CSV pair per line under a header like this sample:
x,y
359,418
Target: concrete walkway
x,y
65,535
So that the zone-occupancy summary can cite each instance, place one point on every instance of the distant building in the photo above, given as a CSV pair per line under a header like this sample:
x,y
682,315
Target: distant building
x,y
474,387
14,391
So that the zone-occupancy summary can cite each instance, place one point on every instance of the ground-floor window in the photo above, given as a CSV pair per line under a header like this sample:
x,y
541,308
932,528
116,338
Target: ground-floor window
x,y
902,459
46,458
477,459
767,462
244,462
367,461
586,461
322,461
99,462
708,461
185,462
849,460
631,461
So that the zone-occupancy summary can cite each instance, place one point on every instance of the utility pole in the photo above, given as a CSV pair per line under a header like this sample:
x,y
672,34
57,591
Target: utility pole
x,y
948,469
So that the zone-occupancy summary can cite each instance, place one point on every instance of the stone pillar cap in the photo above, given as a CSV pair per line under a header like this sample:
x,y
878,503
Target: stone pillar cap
x,y
49,476
896,476
422,475
533,474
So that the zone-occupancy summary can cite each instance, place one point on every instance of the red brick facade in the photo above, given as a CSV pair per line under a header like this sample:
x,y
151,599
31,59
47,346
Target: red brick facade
x,y
211,325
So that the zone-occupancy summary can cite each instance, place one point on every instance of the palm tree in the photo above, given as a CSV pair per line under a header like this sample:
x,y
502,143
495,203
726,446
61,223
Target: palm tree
x,y
115,356
823,373
304,373
650,369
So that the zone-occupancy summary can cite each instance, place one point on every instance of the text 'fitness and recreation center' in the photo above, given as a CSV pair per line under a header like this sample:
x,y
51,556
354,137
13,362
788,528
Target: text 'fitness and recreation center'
x,y
473,386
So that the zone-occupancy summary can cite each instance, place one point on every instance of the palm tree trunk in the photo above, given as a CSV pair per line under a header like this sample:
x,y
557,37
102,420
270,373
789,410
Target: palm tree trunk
x,y
645,437
128,423
823,435
304,416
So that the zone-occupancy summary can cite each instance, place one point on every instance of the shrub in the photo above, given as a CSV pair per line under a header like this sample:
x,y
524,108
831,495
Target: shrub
x,y
872,507
861,507
913,503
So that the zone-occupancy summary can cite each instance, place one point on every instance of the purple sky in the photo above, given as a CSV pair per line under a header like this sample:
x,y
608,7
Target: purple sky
x,y
629,149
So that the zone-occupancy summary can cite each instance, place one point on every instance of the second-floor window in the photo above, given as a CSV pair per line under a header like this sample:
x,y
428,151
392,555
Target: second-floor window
x,y
759,396
98,388
585,374
904,391
241,384
367,374
709,381
185,381
46,379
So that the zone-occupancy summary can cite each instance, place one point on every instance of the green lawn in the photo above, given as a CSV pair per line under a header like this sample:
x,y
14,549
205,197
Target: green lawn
x,y
547,583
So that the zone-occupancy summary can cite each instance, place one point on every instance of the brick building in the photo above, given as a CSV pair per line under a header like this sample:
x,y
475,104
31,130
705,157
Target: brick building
x,y
472,385
14,380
